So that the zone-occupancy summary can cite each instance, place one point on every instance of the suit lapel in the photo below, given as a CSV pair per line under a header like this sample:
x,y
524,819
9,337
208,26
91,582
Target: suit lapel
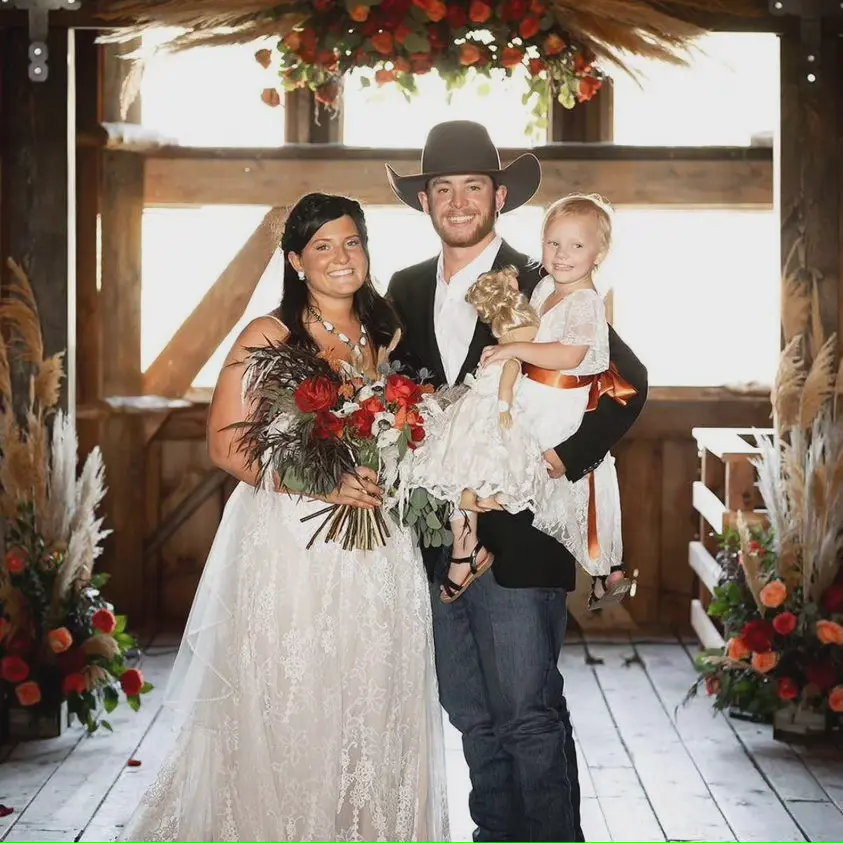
x,y
427,296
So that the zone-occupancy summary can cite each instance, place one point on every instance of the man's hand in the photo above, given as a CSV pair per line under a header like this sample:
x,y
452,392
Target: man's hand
x,y
556,468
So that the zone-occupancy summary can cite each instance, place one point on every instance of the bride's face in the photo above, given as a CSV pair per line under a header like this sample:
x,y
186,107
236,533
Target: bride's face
x,y
334,261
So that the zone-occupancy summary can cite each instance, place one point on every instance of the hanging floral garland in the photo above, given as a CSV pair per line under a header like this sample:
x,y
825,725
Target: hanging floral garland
x,y
562,46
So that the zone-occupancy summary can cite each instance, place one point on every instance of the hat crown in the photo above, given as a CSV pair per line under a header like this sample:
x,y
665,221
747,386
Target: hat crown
x,y
459,146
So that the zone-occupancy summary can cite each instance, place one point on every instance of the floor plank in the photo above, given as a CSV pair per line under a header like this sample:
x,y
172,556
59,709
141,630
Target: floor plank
x,y
751,808
681,799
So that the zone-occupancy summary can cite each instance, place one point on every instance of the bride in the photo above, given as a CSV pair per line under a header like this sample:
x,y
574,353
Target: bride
x,y
305,677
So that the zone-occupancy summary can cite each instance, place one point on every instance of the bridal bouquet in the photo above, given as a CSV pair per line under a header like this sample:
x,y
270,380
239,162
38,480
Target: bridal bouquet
x,y
314,419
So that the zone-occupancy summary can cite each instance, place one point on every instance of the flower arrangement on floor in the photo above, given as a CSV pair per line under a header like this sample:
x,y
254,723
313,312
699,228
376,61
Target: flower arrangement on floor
x,y
780,599
315,418
562,45
59,638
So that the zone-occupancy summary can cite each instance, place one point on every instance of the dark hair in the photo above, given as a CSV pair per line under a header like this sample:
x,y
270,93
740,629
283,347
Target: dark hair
x,y
308,215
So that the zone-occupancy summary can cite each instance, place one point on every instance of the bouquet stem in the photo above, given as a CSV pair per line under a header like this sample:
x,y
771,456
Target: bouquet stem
x,y
350,526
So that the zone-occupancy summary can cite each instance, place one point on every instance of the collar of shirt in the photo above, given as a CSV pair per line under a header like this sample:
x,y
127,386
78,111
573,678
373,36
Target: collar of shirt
x,y
454,319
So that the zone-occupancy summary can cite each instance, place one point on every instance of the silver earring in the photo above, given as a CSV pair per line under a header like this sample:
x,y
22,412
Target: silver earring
x,y
301,275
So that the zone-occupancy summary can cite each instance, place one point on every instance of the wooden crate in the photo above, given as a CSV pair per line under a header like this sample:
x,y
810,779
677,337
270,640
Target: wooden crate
x,y
727,485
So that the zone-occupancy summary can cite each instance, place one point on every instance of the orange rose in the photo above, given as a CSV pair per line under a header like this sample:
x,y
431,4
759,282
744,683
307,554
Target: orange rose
x,y
292,41
829,632
588,87
104,621
773,594
764,662
131,681
736,649
359,13
436,10
469,54
553,44
74,683
479,12
383,43
402,65
511,56
59,639
384,77
28,693
835,699
16,560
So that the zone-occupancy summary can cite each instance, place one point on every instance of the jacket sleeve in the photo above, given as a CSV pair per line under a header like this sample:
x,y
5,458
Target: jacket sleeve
x,y
604,427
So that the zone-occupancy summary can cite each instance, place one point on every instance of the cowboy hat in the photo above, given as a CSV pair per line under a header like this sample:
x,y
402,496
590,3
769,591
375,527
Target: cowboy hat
x,y
462,147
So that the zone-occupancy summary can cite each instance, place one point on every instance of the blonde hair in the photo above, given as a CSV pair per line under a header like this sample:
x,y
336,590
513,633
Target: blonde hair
x,y
499,302
583,205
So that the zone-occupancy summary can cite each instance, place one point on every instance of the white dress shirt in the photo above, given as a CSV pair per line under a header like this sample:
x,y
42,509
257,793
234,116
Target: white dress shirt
x,y
454,319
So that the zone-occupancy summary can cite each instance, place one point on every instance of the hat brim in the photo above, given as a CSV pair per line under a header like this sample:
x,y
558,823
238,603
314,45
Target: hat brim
x,y
521,178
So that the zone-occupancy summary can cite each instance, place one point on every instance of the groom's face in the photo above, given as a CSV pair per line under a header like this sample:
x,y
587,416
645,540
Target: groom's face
x,y
462,208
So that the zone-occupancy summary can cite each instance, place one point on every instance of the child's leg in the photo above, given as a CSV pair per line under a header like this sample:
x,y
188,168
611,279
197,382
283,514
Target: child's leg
x,y
468,559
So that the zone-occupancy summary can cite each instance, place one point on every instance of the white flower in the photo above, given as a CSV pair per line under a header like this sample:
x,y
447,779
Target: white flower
x,y
347,409
383,421
365,392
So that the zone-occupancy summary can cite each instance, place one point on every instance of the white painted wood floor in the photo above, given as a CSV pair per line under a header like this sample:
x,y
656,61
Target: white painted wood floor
x,y
647,772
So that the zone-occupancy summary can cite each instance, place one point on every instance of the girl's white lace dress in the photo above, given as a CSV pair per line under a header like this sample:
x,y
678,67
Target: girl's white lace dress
x,y
307,684
466,448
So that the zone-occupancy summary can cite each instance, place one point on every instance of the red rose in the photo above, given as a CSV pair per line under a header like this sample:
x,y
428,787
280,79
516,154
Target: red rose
x,y
401,390
417,434
315,395
536,66
529,27
372,405
327,425
14,669
16,560
511,56
822,674
402,31
360,423
422,63
514,10
131,681
456,16
784,623
383,42
104,621
479,12
832,600
758,636
19,645
787,689
74,683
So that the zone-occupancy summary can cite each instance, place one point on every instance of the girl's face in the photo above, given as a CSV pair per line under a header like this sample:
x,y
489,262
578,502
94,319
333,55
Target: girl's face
x,y
572,247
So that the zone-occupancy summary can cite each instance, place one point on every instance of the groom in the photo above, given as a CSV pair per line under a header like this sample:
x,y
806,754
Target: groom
x,y
497,647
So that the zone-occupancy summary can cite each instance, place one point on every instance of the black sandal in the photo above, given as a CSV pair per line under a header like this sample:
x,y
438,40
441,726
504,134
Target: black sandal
x,y
452,591
612,594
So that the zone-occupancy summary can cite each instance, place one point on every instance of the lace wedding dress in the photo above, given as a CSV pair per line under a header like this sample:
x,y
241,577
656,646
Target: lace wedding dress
x,y
306,680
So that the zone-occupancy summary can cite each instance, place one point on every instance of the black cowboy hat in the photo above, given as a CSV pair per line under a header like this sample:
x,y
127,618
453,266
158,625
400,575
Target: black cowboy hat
x,y
462,147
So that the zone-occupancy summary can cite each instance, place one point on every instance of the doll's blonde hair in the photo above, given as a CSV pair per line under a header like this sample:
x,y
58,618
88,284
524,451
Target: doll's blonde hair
x,y
583,205
499,302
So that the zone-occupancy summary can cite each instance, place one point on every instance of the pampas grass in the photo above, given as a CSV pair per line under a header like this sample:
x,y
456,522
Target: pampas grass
x,y
800,467
39,464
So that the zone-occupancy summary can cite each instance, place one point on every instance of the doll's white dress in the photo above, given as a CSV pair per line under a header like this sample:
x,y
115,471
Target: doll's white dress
x,y
466,448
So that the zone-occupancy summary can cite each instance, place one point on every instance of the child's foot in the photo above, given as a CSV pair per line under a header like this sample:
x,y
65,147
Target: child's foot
x,y
611,589
463,572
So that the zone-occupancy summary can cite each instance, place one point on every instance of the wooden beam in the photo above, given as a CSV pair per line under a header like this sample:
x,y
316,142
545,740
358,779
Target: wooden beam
x,y
812,164
36,192
120,303
211,321
717,178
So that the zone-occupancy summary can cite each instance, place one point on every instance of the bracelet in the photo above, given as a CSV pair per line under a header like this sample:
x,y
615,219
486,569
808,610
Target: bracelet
x,y
504,406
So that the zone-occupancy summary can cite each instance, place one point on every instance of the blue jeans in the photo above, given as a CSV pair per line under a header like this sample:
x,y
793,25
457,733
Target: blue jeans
x,y
496,659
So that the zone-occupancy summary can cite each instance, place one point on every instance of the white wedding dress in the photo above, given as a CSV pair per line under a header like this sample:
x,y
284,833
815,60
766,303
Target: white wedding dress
x,y
307,684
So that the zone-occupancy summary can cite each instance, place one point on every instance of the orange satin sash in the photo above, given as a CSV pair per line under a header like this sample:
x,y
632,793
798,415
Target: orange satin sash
x,y
606,383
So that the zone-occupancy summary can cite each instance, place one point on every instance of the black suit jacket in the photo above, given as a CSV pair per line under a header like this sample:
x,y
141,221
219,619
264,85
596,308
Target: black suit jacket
x,y
524,557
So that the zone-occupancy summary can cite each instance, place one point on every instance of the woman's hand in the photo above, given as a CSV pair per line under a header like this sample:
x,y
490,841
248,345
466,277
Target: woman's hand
x,y
498,353
359,489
